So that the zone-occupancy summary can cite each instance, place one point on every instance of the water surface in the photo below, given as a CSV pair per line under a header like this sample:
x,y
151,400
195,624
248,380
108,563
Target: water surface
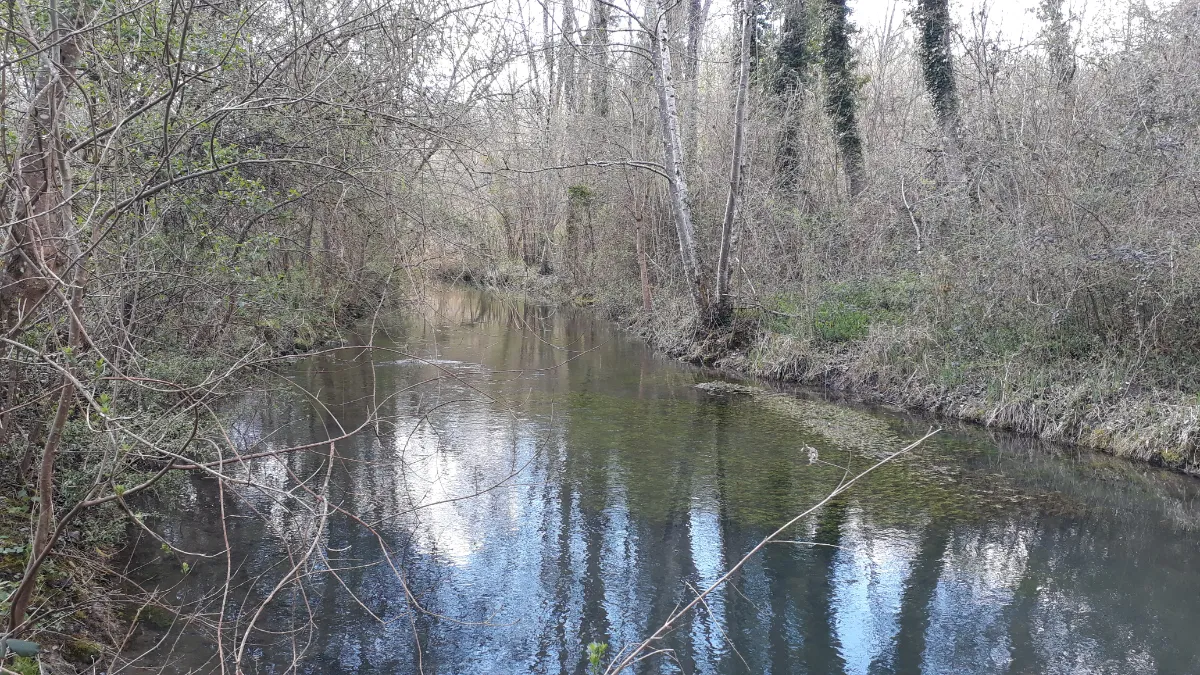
x,y
540,481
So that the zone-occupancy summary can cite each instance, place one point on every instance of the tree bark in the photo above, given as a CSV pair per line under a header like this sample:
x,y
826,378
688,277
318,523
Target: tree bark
x,y
789,83
599,50
36,238
48,215
841,91
551,82
668,114
937,67
566,59
697,17
723,310
643,268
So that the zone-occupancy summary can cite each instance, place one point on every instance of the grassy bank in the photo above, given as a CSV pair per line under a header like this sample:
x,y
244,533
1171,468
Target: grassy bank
x,y
898,341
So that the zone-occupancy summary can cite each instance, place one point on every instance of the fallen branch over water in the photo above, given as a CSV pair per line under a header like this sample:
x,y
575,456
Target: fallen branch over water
x,y
645,650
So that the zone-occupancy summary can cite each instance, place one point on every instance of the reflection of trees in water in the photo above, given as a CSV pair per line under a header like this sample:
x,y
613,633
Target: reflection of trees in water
x,y
639,488
669,546
1020,612
908,646
821,650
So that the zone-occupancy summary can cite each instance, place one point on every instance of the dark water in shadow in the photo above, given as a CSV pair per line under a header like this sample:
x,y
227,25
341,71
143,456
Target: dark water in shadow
x,y
607,487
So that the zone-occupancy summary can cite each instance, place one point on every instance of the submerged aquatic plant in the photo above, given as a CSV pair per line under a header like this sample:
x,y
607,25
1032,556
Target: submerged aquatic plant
x,y
595,653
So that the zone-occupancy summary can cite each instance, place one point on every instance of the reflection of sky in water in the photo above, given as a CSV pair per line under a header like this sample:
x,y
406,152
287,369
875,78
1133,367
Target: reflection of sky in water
x,y
968,607
708,636
869,573
608,491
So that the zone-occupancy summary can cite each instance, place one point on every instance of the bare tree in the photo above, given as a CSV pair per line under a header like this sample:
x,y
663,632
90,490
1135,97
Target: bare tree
x,y
668,115
723,302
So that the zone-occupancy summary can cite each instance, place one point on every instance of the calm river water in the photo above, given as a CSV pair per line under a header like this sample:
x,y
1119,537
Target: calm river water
x,y
542,481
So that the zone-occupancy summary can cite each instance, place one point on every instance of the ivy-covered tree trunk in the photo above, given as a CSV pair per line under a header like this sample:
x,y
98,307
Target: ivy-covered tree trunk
x,y
937,67
579,207
793,59
841,91
1056,33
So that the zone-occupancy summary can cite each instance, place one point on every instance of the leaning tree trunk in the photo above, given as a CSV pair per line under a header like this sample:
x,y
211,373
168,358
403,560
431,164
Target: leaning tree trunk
x,y
841,91
723,305
43,247
937,67
668,114
36,209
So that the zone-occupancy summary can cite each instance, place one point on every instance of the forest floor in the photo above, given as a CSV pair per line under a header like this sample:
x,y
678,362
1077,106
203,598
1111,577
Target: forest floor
x,y
866,348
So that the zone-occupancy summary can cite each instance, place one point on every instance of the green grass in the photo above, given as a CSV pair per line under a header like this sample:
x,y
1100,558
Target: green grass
x,y
25,666
844,312
840,322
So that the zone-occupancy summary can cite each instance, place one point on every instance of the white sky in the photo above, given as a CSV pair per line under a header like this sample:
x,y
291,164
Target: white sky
x,y
1015,19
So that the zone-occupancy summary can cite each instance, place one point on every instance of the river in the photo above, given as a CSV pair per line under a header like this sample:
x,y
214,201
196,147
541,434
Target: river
x,y
541,481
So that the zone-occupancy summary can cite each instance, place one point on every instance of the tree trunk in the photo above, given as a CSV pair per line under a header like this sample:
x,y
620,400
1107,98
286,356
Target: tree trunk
x,y
789,83
40,226
643,268
571,254
510,241
668,114
723,311
599,65
43,169
551,82
841,91
1057,35
697,17
566,60
937,67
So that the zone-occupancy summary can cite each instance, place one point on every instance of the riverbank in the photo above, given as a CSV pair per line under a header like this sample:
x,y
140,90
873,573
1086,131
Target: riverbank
x,y
85,608
869,345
